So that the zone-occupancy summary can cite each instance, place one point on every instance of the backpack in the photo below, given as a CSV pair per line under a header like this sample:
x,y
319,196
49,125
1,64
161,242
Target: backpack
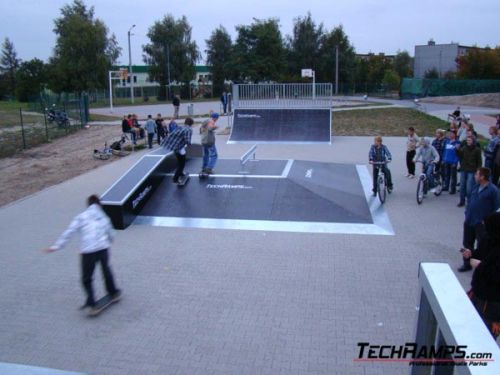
x,y
207,136
172,126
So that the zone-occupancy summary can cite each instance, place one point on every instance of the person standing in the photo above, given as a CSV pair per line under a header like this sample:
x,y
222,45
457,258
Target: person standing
x,y
176,101
224,100
207,131
485,284
483,201
450,162
411,146
96,236
489,151
150,128
160,130
470,161
177,141
379,153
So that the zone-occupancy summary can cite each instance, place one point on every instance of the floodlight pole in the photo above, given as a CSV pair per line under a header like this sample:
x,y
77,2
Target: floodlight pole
x,y
314,84
110,92
130,66
337,69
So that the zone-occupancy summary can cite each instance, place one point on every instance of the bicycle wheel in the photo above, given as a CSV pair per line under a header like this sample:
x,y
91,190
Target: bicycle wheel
x,y
382,191
420,189
439,185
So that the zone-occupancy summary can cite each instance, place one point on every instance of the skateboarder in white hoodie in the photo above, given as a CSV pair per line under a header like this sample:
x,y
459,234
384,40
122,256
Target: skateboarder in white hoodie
x,y
96,235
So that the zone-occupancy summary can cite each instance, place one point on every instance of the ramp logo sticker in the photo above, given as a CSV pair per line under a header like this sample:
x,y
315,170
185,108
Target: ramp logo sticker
x,y
248,115
141,196
309,173
228,186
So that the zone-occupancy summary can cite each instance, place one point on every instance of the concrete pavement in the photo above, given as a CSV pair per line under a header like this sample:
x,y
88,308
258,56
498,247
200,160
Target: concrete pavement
x,y
199,301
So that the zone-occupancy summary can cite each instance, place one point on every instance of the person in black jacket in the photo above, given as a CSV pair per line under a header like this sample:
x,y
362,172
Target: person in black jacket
x,y
176,101
485,291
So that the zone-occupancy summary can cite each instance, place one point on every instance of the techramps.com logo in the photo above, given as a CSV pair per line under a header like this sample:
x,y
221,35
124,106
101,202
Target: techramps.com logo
x,y
422,355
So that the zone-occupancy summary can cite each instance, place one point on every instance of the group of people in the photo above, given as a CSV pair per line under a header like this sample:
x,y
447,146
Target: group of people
x,y
454,151
180,137
157,126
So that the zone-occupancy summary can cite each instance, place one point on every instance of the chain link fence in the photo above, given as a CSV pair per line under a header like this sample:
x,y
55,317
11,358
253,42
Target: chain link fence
x,y
40,122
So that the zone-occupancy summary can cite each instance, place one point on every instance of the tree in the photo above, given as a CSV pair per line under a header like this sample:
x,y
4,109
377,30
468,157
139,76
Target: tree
x,y
304,45
30,77
259,52
84,53
391,80
402,64
219,47
9,63
170,42
431,74
329,43
479,63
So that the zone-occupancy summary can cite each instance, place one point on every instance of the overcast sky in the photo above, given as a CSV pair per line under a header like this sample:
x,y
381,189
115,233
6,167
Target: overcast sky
x,y
371,25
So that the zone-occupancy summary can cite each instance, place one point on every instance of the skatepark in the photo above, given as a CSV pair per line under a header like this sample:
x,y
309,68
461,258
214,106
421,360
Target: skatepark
x,y
280,265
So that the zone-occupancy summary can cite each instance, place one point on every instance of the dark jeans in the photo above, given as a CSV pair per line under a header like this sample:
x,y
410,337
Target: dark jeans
x,y
150,139
89,262
181,163
471,234
409,162
387,176
160,133
132,134
450,177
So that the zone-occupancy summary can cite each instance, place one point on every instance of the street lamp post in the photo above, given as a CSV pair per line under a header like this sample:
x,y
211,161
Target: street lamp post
x,y
130,66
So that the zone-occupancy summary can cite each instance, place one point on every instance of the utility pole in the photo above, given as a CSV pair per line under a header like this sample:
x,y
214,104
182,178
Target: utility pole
x,y
130,67
168,71
337,69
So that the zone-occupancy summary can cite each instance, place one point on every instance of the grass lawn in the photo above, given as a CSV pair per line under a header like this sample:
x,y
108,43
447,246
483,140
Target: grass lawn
x,y
97,117
385,122
9,114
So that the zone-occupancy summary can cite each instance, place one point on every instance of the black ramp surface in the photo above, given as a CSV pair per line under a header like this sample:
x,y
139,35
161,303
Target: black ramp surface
x,y
281,125
313,192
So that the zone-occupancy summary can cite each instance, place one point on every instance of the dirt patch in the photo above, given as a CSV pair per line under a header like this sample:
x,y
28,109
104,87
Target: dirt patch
x,y
64,158
476,100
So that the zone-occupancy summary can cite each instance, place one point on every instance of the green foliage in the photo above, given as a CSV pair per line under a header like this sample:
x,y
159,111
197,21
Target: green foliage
x,y
83,53
219,48
480,64
171,40
9,63
30,77
391,80
431,74
329,41
402,64
259,53
304,46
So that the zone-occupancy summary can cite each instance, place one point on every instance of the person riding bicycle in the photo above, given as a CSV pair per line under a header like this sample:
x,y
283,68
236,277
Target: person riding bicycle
x,y
379,153
429,157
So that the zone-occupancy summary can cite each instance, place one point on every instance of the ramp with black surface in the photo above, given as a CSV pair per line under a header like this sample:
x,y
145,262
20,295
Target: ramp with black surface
x,y
281,126
276,195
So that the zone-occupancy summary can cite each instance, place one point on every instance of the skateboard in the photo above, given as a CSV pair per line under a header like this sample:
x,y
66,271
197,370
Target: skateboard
x,y
183,180
102,304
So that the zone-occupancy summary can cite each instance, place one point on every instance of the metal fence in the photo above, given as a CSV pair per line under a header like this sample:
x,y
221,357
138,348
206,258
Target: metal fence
x,y
22,129
287,95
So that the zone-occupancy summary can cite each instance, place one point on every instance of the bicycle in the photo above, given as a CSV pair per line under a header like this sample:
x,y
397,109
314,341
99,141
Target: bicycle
x,y
103,154
419,106
381,185
423,183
